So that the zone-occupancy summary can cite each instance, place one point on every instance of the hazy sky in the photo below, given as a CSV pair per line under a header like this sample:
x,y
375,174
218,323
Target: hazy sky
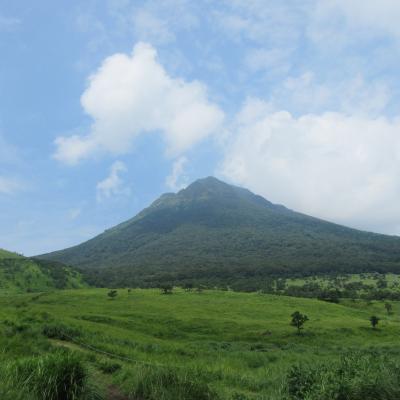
x,y
104,105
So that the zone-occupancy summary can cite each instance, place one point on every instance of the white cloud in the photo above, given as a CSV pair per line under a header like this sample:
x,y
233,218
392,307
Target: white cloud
x,y
9,185
369,16
352,96
277,22
131,95
335,166
177,180
286,21
113,185
148,26
157,21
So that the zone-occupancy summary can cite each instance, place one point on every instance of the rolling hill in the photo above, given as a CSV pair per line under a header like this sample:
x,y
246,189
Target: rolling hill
x,y
18,273
219,234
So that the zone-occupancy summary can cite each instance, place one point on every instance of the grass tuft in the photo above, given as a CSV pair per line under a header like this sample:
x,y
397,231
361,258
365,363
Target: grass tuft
x,y
57,376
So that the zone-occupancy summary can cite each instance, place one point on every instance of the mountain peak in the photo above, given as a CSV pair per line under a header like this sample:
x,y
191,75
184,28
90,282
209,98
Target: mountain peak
x,y
208,184
208,180
213,189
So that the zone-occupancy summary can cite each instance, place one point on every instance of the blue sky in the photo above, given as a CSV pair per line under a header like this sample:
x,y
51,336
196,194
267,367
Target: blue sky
x,y
104,105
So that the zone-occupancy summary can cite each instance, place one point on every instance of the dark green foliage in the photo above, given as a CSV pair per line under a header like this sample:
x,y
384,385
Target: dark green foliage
x,y
374,321
112,294
188,286
152,383
381,284
388,308
298,320
58,376
219,235
355,377
166,288
334,287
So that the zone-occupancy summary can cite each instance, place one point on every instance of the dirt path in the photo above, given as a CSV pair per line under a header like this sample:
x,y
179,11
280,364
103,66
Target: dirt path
x,y
112,391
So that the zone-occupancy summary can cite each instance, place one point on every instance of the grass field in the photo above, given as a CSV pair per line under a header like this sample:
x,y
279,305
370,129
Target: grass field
x,y
241,345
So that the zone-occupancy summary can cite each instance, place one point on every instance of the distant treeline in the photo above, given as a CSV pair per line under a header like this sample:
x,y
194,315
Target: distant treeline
x,y
336,285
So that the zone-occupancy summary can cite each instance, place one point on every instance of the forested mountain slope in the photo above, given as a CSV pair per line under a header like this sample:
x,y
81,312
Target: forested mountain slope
x,y
216,233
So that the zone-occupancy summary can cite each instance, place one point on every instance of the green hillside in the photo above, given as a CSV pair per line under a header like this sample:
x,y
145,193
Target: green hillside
x,y
218,234
18,273
213,345
8,254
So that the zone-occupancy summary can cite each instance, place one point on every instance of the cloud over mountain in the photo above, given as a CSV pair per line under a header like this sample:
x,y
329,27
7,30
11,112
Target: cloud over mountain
x,y
332,165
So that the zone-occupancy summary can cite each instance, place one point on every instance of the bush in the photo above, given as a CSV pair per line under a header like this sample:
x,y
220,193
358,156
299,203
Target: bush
x,y
58,376
355,377
151,383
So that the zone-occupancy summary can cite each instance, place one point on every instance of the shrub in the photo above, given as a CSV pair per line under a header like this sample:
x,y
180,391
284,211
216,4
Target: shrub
x,y
112,294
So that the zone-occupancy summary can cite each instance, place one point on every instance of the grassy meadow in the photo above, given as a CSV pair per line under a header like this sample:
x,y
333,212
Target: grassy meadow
x,y
212,344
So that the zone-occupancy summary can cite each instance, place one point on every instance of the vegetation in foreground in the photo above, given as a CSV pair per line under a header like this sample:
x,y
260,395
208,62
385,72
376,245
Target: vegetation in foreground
x,y
141,344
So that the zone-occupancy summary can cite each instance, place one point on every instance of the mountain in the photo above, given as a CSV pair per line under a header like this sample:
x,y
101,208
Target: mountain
x,y
219,234
18,273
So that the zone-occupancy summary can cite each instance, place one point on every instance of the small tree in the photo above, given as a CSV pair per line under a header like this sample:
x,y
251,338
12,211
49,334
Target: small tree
x,y
389,308
166,289
112,294
374,321
298,320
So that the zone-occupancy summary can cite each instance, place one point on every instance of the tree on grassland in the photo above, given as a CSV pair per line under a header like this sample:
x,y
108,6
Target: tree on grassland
x,y
298,320
374,321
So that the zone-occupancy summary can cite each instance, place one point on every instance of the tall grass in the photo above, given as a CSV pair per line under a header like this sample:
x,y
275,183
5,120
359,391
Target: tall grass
x,y
355,377
155,383
58,376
